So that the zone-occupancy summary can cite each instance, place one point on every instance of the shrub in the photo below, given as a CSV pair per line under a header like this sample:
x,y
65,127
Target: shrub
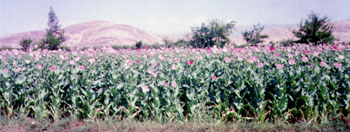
x,y
315,30
254,36
25,43
213,33
138,44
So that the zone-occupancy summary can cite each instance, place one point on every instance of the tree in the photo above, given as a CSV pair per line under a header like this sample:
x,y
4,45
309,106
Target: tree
x,y
138,44
25,43
213,33
54,35
53,22
315,30
254,36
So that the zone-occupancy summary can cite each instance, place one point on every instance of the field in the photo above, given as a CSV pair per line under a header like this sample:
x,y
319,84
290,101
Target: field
x,y
301,83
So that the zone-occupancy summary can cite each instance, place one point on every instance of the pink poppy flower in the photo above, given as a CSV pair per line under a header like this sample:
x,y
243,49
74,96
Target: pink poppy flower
x,y
260,64
38,66
307,52
199,57
154,64
17,69
227,59
291,61
91,60
165,84
176,60
172,67
71,62
213,77
5,71
335,47
277,55
322,64
315,53
81,67
337,65
279,66
190,62
304,59
52,68
173,84
137,61
27,61
145,88
272,48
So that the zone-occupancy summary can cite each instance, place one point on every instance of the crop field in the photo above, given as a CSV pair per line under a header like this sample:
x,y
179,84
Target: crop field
x,y
300,83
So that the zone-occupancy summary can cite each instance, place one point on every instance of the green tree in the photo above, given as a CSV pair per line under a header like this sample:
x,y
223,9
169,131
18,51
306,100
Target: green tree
x,y
215,32
315,30
254,36
54,35
138,44
25,43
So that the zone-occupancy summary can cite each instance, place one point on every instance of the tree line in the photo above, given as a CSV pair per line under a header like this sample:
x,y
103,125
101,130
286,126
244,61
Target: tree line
x,y
314,30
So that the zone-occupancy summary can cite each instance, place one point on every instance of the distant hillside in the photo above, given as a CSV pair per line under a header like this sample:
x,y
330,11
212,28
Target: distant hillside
x,y
102,33
89,34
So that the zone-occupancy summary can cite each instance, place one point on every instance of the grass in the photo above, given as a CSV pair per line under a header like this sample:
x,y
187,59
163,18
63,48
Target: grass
x,y
67,125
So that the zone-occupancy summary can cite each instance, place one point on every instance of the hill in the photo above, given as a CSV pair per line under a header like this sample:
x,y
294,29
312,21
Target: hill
x,y
89,34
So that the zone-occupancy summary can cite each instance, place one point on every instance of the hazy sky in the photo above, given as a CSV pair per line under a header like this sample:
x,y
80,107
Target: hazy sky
x,y
164,16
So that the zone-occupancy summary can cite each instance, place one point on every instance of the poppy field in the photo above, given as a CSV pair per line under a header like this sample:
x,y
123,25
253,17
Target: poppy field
x,y
263,83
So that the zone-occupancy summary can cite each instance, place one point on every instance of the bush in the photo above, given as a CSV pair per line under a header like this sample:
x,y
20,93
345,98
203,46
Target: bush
x,y
254,36
316,30
214,33
25,43
138,44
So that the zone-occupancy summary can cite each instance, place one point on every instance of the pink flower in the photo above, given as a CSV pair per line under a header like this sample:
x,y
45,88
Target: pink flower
x,y
213,77
14,63
304,59
165,84
322,64
145,88
137,61
154,64
279,66
154,74
17,69
172,66
307,52
272,48
291,61
176,60
81,67
5,71
173,84
252,59
190,62
91,60
52,68
277,55
199,57
337,65
71,62
315,53
335,47
27,61
227,59
38,66
260,64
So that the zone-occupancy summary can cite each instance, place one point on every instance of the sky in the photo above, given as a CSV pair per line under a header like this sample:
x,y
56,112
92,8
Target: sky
x,y
164,16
